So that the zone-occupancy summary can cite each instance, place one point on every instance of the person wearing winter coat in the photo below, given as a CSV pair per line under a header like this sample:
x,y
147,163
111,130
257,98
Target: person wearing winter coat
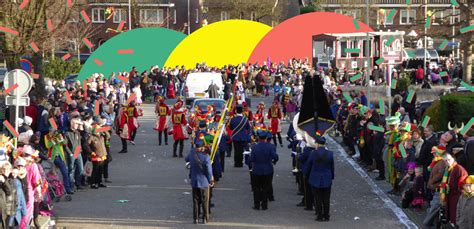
x,y
465,207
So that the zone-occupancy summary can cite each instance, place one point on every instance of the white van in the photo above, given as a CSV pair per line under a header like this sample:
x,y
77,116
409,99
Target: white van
x,y
197,83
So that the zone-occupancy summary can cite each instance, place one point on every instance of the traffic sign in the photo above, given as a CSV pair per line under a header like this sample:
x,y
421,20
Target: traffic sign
x,y
22,101
20,77
26,65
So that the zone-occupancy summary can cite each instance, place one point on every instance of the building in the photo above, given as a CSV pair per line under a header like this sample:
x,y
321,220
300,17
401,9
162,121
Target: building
x,y
409,18
270,12
106,16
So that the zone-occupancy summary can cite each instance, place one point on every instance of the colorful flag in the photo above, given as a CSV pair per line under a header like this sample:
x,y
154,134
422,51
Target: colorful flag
x,y
10,128
425,122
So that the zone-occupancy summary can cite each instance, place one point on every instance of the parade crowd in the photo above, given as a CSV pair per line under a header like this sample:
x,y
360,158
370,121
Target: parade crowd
x,y
64,139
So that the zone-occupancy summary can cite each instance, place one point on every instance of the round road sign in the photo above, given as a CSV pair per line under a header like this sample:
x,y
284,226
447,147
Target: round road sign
x,y
26,65
20,77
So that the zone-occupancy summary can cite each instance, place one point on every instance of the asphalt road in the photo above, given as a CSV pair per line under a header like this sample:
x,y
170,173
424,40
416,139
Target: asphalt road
x,y
158,195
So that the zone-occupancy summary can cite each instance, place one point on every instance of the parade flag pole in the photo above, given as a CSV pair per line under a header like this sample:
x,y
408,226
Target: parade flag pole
x,y
220,130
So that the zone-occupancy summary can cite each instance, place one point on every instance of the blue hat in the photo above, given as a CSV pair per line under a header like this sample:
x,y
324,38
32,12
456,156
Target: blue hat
x,y
202,124
262,133
199,143
269,135
321,140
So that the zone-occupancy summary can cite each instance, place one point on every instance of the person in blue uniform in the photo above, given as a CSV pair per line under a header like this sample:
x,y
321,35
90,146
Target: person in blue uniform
x,y
308,199
270,195
223,149
200,174
240,127
320,170
262,158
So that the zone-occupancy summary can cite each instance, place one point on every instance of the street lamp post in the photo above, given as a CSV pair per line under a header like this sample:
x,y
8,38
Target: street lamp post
x,y
189,19
424,53
367,50
129,14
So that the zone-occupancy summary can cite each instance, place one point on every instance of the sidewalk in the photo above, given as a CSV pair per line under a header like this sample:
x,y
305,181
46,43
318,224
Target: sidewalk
x,y
416,216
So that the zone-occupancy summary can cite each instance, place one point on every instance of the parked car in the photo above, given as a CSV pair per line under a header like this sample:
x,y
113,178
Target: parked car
x,y
420,109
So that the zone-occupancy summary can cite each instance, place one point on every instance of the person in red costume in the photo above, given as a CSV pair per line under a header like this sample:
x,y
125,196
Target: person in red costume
x,y
163,113
178,118
247,112
259,114
274,114
127,125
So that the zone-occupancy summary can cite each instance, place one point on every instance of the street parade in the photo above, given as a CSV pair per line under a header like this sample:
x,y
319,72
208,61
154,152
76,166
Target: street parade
x,y
282,114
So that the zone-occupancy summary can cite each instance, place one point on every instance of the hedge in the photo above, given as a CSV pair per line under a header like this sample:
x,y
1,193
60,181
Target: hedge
x,y
455,108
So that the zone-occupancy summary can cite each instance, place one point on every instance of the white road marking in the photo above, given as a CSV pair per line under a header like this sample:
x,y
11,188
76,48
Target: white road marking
x,y
402,217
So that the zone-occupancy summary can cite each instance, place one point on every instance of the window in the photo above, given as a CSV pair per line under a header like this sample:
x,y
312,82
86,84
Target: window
x,y
151,16
224,15
456,16
353,13
383,16
120,15
197,16
98,15
437,18
253,16
175,16
343,49
407,17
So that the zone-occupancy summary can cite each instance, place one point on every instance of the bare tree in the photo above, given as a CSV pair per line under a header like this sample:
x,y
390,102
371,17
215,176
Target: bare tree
x,y
258,10
29,23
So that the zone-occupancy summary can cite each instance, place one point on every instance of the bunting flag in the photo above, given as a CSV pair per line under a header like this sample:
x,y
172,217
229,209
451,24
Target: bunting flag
x,y
120,26
454,3
9,31
53,124
410,96
103,129
402,150
392,14
131,98
123,78
68,97
390,41
24,4
393,85
467,127
469,87
425,122
125,51
428,22
98,62
77,151
381,106
356,24
49,25
380,60
10,89
87,43
356,77
66,56
376,128
349,50
444,44
85,17
34,47
35,76
347,97
10,128
69,3
96,107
